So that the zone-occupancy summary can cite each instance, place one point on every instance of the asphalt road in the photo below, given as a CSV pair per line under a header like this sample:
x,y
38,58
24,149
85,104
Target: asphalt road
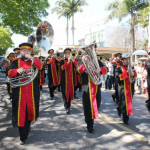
x,y
56,130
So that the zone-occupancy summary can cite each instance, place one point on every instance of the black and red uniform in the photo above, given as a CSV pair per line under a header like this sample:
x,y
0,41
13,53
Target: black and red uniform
x,y
59,74
53,80
91,96
42,76
25,99
67,81
116,65
126,93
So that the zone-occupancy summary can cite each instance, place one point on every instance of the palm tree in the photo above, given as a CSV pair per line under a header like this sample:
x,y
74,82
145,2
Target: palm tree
x,y
62,11
143,17
71,7
75,6
122,8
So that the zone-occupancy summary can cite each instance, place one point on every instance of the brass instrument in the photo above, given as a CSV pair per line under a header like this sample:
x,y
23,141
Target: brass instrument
x,y
29,75
58,55
74,54
80,54
43,38
91,64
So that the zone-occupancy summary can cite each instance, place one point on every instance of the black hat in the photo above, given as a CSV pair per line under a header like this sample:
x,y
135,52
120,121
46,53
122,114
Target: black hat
x,y
67,50
118,54
51,50
98,55
16,50
26,45
11,54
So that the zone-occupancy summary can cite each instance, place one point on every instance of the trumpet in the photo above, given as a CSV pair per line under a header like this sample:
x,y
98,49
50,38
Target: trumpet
x,y
80,54
74,54
58,55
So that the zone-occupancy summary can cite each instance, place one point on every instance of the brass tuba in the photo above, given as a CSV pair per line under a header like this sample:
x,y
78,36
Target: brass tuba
x,y
29,75
91,64
43,39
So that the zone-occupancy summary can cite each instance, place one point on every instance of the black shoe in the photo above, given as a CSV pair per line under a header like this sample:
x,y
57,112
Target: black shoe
x,y
148,104
76,97
52,98
125,119
90,130
113,98
68,111
119,111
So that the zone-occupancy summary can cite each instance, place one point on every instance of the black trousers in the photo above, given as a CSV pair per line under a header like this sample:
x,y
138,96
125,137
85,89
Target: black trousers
x,y
116,90
87,105
41,88
24,131
59,88
67,105
52,89
109,82
148,83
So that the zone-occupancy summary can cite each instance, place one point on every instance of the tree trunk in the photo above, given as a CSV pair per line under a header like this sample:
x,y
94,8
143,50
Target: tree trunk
x,y
132,34
73,29
67,31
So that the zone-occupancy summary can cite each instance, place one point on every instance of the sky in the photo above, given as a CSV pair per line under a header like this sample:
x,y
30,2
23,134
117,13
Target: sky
x,y
93,14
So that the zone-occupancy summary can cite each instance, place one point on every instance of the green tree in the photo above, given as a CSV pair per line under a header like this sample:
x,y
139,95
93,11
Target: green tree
x,y
5,40
36,50
62,11
123,8
143,17
22,15
72,7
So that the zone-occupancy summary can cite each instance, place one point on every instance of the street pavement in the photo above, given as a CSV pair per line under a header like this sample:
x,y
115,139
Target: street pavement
x,y
55,130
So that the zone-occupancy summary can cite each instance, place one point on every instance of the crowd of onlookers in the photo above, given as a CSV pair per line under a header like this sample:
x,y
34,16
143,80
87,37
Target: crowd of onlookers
x,y
140,82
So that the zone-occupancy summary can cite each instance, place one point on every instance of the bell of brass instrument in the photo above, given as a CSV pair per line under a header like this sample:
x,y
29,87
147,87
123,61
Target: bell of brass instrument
x,y
43,39
80,54
74,54
58,55
91,64
43,36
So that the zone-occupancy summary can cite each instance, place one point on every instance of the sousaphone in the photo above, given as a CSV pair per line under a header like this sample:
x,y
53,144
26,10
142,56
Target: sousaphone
x,y
42,38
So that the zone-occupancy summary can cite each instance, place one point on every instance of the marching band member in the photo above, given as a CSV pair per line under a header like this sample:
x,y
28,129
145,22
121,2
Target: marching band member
x,y
116,64
59,71
52,72
78,77
67,79
25,99
91,96
147,66
11,57
17,52
42,72
125,90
